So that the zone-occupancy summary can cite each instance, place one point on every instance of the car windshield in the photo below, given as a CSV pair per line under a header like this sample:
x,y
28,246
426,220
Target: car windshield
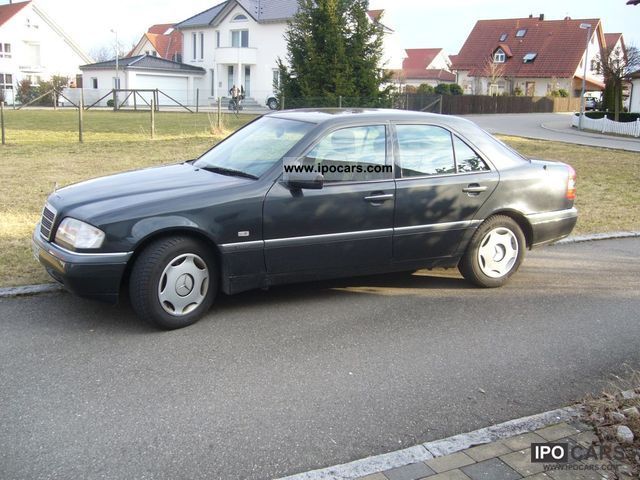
x,y
254,149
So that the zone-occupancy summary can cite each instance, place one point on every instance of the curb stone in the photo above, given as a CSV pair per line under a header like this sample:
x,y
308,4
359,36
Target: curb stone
x,y
24,290
438,448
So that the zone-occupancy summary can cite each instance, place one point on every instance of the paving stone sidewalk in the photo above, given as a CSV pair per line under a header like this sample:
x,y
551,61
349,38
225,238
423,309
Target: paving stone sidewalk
x,y
510,459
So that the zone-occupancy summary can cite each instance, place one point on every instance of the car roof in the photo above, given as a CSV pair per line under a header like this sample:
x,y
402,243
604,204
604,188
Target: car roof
x,y
350,115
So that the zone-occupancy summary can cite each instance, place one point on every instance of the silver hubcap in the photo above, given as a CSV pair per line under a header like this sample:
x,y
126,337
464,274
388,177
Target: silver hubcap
x,y
183,284
498,252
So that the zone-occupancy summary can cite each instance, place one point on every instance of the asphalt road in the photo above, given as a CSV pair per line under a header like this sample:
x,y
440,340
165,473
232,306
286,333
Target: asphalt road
x,y
550,126
307,376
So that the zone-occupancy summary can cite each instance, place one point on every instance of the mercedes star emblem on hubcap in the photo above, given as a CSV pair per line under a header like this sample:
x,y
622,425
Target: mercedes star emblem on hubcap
x,y
184,285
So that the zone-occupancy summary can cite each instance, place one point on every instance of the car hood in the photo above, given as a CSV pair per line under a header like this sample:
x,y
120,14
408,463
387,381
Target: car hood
x,y
151,186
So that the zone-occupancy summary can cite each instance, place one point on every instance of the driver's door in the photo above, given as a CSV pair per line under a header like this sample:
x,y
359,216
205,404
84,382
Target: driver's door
x,y
348,224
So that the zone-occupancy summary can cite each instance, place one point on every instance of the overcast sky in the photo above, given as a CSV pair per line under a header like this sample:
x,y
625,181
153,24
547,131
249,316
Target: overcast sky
x,y
419,23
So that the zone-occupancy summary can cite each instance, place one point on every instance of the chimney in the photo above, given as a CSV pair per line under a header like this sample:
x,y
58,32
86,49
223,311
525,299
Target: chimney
x,y
541,18
531,15
567,18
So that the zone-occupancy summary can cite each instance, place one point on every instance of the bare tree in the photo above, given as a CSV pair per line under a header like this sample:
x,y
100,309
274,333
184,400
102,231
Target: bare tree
x,y
493,71
617,65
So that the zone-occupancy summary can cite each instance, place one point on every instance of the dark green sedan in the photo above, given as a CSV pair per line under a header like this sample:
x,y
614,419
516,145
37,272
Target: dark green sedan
x,y
305,195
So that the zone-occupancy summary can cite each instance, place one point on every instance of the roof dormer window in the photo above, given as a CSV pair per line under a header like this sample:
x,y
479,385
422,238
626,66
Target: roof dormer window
x,y
239,18
503,37
499,56
529,57
521,33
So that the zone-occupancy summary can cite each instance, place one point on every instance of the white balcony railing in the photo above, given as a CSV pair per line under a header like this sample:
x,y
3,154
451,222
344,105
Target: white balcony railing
x,y
235,55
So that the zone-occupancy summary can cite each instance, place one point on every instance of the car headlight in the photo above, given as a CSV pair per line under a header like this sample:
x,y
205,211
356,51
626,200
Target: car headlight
x,y
77,234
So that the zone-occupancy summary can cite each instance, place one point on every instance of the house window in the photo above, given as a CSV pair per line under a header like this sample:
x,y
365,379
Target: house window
x,y
5,50
499,56
201,46
116,83
6,81
217,38
240,18
177,57
529,57
33,54
240,38
595,66
213,82
503,37
194,43
35,80
276,79
521,33
94,83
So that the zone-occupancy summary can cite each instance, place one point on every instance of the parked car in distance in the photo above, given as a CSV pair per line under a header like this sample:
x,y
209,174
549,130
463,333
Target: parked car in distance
x,y
590,103
304,195
272,102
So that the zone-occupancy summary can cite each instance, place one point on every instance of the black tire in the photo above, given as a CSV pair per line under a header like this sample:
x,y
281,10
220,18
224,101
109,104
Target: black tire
x,y
272,103
149,270
472,265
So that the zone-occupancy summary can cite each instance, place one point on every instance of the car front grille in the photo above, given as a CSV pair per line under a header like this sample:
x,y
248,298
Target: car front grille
x,y
47,221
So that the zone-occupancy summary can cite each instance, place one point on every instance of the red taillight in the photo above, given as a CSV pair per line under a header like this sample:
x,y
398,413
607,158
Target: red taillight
x,y
571,184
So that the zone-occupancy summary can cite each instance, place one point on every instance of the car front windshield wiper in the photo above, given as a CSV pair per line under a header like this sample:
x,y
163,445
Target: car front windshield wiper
x,y
228,171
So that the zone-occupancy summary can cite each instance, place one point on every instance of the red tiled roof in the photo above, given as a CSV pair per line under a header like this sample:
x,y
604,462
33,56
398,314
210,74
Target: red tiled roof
x,y
420,57
610,39
160,28
559,45
375,15
9,10
429,74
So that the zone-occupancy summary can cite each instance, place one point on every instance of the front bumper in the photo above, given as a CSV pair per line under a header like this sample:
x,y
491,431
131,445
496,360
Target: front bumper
x,y
90,275
549,227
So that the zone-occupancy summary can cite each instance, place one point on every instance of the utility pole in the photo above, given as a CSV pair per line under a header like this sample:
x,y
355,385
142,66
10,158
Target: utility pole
x,y
587,27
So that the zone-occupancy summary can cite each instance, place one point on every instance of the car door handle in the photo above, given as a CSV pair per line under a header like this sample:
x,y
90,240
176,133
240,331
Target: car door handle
x,y
379,198
474,188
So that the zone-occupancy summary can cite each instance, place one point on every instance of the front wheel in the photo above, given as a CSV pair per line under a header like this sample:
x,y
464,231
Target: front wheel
x,y
494,253
173,282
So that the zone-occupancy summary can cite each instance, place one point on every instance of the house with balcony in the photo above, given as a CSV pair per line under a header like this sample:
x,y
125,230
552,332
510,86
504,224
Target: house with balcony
x,y
33,46
531,56
238,42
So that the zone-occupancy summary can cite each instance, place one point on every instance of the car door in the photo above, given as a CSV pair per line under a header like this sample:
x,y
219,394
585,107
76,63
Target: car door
x,y
441,184
346,225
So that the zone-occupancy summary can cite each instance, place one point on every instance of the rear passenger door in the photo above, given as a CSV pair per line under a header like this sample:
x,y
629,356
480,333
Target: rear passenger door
x,y
441,182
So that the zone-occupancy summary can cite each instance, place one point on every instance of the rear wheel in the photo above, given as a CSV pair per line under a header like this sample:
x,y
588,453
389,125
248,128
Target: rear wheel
x,y
494,253
272,103
173,282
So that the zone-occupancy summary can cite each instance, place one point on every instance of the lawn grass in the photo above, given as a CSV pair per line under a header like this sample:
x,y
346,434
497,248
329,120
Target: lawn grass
x,y
43,150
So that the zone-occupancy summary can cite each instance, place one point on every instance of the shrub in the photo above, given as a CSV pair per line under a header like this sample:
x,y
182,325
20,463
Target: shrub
x,y
442,89
518,92
563,93
426,89
624,117
455,89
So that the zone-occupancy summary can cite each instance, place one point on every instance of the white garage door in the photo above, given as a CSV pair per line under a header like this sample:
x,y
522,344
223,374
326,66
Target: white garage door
x,y
176,87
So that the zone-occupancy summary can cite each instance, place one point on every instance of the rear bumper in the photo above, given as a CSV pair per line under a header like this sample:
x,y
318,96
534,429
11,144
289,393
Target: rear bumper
x,y
549,227
89,275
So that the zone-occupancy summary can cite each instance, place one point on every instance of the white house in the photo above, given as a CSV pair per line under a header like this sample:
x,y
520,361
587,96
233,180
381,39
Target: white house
x,y
33,46
429,66
634,104
176,82
238,43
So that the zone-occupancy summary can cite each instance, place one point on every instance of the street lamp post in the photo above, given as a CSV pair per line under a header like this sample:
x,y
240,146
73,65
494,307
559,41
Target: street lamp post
x,y
587,27
117,85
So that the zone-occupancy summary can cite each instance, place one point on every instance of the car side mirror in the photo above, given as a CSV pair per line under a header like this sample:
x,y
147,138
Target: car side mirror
x,y
304,180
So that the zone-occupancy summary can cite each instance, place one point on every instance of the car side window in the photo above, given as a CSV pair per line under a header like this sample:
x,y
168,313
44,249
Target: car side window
x,y
425,150
467,160
351,154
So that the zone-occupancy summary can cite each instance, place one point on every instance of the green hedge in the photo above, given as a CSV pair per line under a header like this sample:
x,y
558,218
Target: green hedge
x,y
624,117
